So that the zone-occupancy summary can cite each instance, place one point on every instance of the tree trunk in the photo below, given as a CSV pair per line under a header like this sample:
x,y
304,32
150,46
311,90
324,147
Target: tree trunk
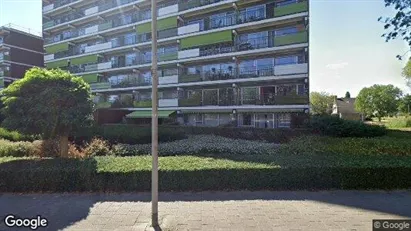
x,y
64,146
379,119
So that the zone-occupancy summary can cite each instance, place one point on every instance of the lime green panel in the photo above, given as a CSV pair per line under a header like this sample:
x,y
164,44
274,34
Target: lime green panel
x,y
140,104
57,48
1,82
206,39
167,57
61,63
48,24
105,26
148,114
301,37
162,24
291,9
84,60
167,23
91,78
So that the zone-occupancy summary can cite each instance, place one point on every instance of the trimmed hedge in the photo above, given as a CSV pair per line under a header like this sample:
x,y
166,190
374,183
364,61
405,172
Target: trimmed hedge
x,y
141,134
127,134
337,127
15,136
71,175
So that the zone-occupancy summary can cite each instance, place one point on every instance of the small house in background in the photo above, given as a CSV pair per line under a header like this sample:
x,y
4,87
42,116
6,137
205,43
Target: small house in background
x,y
345,109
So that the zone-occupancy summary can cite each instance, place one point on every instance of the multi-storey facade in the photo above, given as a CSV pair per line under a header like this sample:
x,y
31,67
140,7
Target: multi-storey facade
x,y
19,51
244,62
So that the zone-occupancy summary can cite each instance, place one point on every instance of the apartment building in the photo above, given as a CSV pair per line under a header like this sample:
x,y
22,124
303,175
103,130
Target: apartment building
x,y
238,62
20,50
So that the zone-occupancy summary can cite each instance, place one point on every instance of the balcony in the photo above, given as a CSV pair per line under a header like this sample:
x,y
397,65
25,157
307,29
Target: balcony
x,y
87,12
270,99
142,104
190,4
4,57
57,4
194,100
291,9
1,82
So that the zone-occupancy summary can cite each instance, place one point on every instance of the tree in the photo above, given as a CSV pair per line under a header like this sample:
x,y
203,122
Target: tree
x,y
321,103
378,100
347,95
48,102
400,24
406,72
405,104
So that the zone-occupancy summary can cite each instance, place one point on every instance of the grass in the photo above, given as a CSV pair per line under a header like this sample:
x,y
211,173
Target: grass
x,y
400,122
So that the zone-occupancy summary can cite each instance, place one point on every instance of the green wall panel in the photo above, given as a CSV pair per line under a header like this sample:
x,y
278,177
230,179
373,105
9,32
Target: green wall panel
x,y
57,48
206,39
162,24
61,63
91,78
291,9
84,60
301,37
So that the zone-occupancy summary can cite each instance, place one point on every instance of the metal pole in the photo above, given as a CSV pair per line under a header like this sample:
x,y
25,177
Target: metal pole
x,y
154,123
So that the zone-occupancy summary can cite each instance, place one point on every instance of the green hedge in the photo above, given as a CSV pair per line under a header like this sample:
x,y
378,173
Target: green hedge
x,y
127,134
15,136
106,174
334,126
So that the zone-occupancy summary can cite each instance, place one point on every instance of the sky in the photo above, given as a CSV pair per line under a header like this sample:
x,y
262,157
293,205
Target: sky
x,y
347,52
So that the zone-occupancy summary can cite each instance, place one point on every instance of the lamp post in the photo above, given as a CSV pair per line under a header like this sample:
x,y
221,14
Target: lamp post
x,y
154,117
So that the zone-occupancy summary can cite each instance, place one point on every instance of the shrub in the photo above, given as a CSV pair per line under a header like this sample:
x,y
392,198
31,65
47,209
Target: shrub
x,y
97,147
15,136
334,126
197,145
348,146
127,134
18,149
115,174
51,148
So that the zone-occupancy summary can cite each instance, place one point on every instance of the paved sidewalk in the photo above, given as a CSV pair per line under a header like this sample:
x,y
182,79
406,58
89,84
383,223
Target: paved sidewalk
x,y
332,210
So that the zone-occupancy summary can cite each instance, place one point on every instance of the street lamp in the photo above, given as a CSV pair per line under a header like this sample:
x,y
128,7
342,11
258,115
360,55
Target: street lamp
x,y
154,117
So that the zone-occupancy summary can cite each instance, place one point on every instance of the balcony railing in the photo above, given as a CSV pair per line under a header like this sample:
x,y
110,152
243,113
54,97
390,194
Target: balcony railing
x,y
210,23
189,4
81,14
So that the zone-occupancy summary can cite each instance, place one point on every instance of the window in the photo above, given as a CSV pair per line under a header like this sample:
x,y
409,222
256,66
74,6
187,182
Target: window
x,y
252,13
224,119
247,119
284,120
146,14
222,20
286,2
284,90
193,70
146,56
129,39
146,76
146,37
286,60
249,95
199,21
300,89
211,120
1,39
131,59
264,121
286,31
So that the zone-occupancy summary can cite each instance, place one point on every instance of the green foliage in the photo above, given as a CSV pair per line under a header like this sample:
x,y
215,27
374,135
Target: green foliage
x,y
47,102
321,103
400,24
127,134
187,173
378,100
198,145
17,149
406,72
347,94
16,136
350,148
400,122
405,104
334,126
